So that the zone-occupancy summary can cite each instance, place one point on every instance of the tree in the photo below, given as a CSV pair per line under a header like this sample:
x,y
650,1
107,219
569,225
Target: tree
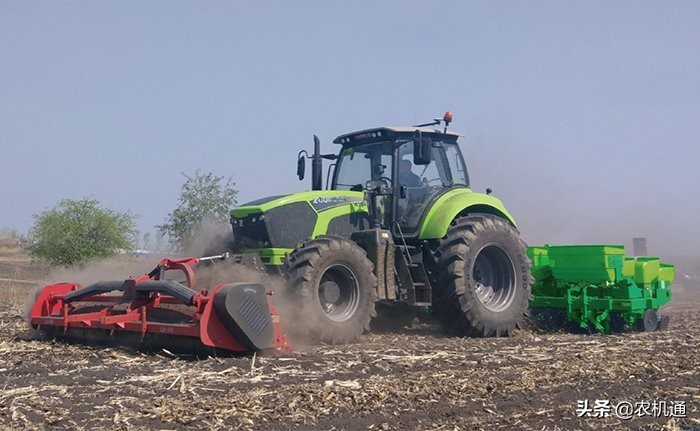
x,y
75,231
204,198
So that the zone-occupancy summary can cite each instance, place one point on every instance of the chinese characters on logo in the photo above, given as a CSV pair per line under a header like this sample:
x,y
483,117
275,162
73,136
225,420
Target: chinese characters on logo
x,y
628,410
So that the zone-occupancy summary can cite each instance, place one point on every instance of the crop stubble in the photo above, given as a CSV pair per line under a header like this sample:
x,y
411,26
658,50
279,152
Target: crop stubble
x,y
417,379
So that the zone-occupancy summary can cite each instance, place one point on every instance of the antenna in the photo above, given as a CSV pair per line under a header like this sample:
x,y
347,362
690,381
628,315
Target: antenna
x,y
447,118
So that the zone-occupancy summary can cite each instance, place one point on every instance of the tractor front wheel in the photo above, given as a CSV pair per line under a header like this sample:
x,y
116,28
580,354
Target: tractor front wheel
x,y
332,283
482,277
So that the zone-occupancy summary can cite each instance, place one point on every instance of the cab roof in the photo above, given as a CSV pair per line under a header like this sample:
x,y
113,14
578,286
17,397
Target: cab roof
x,y
384,133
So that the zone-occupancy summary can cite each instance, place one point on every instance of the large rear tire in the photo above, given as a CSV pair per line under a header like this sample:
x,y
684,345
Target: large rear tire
x,y
482,277
332,283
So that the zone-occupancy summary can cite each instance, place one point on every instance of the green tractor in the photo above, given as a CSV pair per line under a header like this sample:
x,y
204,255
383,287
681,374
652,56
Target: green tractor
x,y
397,227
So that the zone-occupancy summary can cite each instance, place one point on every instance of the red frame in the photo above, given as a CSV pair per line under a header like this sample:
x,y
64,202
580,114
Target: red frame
x,y
50,310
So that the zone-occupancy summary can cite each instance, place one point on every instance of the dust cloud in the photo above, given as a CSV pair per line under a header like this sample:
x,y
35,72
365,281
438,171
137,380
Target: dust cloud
x,y
580,192
295,327
212,237
120,267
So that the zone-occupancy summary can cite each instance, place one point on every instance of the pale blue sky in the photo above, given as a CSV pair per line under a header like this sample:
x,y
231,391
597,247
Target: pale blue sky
x,y
584,117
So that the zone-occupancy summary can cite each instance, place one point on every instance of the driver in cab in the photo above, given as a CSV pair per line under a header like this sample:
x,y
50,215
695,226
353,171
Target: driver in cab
x,y
406,175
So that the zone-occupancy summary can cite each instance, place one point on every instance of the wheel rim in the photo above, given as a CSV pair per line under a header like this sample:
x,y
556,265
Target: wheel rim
x,y
338,292
494,277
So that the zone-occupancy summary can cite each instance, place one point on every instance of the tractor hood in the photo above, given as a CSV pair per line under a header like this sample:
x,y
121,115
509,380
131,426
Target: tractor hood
x,y
318,200
284,221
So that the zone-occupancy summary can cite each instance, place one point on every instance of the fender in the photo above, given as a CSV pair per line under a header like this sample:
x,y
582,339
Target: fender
x,y
457,202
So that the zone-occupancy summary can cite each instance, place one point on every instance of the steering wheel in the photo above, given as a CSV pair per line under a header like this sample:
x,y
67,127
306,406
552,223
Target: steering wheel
x,y
427,182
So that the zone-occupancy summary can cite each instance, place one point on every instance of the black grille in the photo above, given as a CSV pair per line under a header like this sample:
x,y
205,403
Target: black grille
x,y
290,224
250,234
281,227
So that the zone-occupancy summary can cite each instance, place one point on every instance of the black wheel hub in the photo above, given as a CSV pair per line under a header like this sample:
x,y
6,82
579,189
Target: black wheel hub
x,y
330,292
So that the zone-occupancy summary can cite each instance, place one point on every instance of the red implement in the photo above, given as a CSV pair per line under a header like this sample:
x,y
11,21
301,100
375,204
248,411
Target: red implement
x,y
235,317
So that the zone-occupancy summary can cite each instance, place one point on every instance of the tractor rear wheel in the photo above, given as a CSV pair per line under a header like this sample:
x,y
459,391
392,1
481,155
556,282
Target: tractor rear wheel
x,y
482,277
332,283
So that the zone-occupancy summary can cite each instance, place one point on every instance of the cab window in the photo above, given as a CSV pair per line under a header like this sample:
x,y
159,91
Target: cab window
x,y
457,168
362,163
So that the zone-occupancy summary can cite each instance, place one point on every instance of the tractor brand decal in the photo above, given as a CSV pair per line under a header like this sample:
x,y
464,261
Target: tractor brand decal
x,y
325,202
330,199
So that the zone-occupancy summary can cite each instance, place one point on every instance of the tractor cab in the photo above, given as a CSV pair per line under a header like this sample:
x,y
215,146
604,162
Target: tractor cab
x,y
402,169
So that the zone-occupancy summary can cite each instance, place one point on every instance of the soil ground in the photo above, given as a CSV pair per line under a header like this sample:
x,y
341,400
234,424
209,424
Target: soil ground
x,y
418,379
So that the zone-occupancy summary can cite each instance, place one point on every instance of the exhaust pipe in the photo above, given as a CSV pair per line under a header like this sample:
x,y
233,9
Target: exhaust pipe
x,y
317,166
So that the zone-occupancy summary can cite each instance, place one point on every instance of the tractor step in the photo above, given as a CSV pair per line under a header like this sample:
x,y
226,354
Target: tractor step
x,y
415,285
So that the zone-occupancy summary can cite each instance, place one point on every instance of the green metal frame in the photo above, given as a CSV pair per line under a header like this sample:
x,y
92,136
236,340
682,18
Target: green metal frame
x,y
593,282
270,256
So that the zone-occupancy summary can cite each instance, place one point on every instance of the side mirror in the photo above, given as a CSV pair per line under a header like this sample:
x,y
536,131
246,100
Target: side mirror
x,y
422,149
301,167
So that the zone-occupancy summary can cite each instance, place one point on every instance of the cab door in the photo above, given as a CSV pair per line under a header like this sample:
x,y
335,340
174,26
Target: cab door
x,y
413,196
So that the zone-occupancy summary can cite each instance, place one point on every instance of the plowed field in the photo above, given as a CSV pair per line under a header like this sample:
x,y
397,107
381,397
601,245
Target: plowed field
x,y
417,379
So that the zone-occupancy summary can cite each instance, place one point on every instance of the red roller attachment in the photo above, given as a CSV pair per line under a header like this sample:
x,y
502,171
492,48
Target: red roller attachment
x,y
235,317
